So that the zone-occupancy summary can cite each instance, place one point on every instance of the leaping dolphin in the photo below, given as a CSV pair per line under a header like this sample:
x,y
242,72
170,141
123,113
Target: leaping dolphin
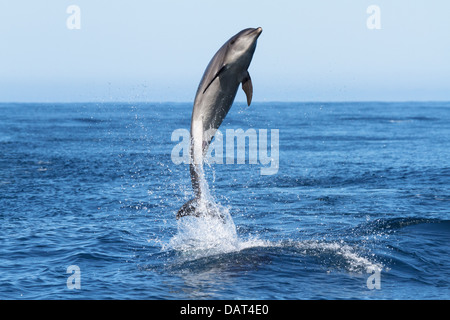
x,y
215,95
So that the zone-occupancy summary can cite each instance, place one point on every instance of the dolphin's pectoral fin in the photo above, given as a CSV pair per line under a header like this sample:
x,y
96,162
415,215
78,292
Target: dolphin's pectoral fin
x,y
224,67
247,86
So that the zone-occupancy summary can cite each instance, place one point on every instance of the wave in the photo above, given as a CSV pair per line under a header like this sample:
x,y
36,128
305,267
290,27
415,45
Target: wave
x,y
208,242
391,225
90,120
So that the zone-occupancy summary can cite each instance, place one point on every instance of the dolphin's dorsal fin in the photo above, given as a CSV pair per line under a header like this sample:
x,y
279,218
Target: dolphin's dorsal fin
x,y
224,67
247,86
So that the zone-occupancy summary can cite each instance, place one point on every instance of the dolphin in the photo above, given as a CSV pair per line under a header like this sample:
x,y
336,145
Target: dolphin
x,y
215,95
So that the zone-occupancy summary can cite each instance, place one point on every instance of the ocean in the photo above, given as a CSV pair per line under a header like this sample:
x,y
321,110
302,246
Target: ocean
x,y
358,208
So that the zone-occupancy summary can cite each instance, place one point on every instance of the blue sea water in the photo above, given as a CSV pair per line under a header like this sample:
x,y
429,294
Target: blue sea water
x,y
359,208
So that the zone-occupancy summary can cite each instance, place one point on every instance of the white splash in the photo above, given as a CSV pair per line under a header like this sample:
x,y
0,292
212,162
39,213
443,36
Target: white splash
x,y
209,235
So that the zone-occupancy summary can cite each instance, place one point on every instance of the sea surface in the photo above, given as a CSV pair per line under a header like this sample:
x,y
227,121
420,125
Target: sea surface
x,y
358,209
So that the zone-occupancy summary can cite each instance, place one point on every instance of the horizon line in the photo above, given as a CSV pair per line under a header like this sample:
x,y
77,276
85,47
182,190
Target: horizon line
x,y
253,102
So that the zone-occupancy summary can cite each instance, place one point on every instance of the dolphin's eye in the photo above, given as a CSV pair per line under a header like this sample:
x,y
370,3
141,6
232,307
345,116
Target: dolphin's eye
x,y
233,41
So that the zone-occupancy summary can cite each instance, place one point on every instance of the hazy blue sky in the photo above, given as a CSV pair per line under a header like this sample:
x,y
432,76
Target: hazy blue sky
x,y
157,50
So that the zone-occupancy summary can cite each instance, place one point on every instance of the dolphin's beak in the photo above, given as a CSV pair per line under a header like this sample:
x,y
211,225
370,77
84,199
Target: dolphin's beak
x,y
257,31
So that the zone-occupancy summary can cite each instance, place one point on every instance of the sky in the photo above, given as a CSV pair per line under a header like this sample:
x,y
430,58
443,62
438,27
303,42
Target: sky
x,y
322,50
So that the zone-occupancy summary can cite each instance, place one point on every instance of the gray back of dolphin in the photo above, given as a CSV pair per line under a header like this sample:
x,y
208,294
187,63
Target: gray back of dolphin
x,y
215,95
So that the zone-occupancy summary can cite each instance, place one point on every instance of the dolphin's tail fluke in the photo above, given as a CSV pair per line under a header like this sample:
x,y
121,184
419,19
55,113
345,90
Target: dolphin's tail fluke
x,y
189,209
200,208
